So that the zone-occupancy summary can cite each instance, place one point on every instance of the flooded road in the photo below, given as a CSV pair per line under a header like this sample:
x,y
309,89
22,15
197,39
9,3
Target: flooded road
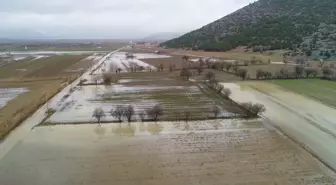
x,y
307,121
208,152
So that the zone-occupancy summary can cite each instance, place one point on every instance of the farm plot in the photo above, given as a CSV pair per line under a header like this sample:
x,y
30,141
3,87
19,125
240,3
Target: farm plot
x,y
142,90
322,90
118,61
10,93
202,152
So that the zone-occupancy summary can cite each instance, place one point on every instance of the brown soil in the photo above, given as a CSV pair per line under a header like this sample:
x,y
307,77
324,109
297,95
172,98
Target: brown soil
x,y
211,153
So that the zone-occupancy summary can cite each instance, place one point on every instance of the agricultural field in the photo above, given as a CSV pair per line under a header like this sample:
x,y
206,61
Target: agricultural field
x,y
201,152
25,85
142,90
321,90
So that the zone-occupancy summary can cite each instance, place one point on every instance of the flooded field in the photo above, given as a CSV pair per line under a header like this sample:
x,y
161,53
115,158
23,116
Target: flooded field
x,y
211,152
308,121
119,60
7,94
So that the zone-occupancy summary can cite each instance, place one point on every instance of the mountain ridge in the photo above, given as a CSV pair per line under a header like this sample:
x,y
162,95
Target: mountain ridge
x,y
307,26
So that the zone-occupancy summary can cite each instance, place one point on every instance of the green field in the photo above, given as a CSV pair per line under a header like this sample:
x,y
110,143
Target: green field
x,y
322,90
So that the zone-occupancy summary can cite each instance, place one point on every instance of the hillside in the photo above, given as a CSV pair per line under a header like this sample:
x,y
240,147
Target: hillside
x,y
306,26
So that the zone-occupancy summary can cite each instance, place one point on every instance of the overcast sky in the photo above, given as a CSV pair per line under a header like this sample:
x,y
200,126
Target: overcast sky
x,y
109,18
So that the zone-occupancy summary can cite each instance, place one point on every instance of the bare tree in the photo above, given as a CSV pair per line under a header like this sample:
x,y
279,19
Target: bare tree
x,y
177,116
161,67
107,78
185,57
185,73
242,73
327,72
253,110
98,113
298,71
187,116
284,73
128,112
119,70
172,67
142,116
227,93
228,66
118,113
220,88
216,110
321,63
210,75
260,74
155,112
310,71
200,69
95,80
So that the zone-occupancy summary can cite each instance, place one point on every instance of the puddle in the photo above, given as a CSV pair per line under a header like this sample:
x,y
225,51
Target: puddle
x,y
7,94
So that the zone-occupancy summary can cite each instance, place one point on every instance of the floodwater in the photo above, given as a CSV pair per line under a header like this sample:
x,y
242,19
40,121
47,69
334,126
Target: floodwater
x,y
309,122
7,94
119,60
208,152
80,104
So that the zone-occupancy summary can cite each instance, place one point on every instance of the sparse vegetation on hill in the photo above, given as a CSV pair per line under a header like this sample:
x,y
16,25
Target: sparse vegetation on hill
x,y
306,26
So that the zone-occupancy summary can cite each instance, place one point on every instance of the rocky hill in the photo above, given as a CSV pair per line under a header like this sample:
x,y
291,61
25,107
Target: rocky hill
x,y
305,26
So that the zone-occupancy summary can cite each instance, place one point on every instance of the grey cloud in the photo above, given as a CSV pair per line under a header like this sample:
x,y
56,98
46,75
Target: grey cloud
x,y
112,18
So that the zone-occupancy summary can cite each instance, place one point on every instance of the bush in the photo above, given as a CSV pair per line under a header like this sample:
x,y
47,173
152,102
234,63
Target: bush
x,y
107,78
155,112
227,93
210,75
242,73
253,110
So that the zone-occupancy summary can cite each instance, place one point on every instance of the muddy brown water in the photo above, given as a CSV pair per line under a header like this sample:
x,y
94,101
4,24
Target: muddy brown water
x,y
208,152
308,122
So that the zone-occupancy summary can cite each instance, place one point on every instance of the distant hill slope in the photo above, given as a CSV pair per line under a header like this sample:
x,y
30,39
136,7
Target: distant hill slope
x,y
307,26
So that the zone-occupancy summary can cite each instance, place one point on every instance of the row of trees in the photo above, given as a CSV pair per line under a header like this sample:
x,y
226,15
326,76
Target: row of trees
x,y
127,112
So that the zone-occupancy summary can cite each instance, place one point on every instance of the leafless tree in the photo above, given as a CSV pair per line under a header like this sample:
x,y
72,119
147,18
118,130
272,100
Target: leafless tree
x,y
253,110
327,72
310,71
161,67
177,116
118,113
98,113
107,78
128,112
332,65
216,110
298,71
119,70
284,73
228,66
185,57
220,88
187,116
242,73
142,116
95,80
321,63
172,67
227,93
186,73
210,75
155,112
200,69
